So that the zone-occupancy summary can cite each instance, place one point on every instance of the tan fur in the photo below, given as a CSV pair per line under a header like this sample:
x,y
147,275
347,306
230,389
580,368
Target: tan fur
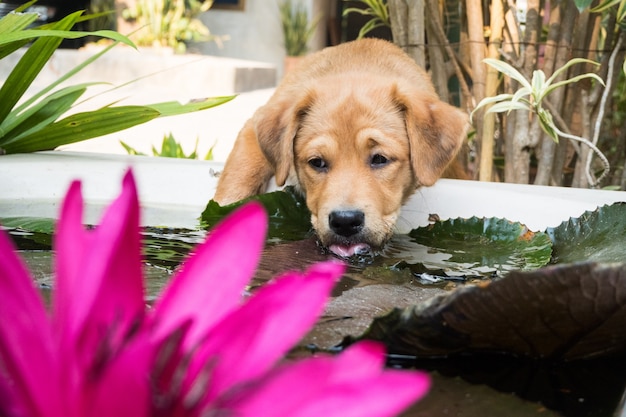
x,y
344,105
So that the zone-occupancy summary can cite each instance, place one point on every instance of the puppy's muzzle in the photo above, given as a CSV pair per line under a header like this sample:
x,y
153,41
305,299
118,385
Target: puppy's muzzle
x,y
348,227
346,223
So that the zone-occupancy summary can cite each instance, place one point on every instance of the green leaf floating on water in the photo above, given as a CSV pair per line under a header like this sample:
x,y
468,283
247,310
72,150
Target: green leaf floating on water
x,y
562,312
289,217
30,224
598,236
483,247
35,233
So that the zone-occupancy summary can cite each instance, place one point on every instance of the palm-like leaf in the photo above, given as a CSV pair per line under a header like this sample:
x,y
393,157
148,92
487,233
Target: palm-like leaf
x,y
87,125
508,106
36,123
508,70
375,8
538,88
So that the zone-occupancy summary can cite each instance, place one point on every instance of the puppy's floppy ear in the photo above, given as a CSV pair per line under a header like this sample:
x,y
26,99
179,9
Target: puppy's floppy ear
x,y
436,132
276,128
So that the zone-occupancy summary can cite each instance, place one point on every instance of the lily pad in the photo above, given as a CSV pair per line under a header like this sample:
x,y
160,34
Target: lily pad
x,y
598,235
31,224
482,246
289,217
563,312
30,233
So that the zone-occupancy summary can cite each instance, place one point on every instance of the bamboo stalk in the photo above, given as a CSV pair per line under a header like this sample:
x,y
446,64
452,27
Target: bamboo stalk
x,y
491,87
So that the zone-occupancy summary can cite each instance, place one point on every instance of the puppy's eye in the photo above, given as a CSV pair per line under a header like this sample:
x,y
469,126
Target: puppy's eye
x,y
378,161
318,164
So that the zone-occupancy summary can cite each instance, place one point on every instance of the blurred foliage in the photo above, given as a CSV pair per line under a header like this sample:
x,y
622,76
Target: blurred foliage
x,y
297,29
378,11
169,23
30,123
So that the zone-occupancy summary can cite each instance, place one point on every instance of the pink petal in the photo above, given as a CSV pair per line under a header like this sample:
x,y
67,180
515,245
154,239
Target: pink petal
x,y
323,387
355,391
211,281
27,350
250,340
70,245
281,391
124,388
99,272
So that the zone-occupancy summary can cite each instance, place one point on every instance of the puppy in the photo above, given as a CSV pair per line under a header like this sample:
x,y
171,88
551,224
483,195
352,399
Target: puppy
x,y
357,128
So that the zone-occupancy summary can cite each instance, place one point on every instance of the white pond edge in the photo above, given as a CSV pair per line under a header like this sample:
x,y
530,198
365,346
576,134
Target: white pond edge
x,y
173,192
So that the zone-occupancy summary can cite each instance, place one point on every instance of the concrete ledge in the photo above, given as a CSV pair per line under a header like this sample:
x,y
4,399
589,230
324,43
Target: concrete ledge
x,y
182,73
173,192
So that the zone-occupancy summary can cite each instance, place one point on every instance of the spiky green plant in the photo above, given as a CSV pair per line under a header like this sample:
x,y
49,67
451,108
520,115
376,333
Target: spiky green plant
x,y
38,122
297,29
170,23
170,148
531,96
377,9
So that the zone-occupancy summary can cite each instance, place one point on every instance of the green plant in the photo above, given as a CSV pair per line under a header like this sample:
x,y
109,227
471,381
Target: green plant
x,y
171,149
531,95
169,23
37,123
375,8
105,11
297,29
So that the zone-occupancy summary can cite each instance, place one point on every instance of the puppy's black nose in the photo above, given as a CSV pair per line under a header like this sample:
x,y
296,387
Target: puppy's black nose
x,y
346,222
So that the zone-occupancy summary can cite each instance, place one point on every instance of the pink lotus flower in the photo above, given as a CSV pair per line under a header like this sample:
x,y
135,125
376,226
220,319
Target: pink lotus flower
x,y
202,349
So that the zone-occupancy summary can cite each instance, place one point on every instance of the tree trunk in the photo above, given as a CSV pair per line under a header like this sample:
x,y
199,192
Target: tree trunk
x,y
476,38
489,120
557,53
417,32
573,98
580,177
436,59
408,28
517,166
398,10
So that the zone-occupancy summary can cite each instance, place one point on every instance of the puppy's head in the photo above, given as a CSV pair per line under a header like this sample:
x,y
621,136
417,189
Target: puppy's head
x,y
358,150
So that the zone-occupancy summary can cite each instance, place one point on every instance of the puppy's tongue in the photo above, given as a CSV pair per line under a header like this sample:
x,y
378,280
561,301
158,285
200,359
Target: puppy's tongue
x,y
346,251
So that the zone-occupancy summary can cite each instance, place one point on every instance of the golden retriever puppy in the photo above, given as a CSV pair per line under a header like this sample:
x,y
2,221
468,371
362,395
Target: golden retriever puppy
x,y
357,128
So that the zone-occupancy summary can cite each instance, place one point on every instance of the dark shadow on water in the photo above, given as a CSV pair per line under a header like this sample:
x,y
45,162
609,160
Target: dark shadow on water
x,y
589,388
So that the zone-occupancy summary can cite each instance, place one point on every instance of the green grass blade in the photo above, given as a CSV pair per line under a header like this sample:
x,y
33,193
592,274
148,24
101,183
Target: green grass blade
x,y
508,70
521,93
547,124
64,77
15,22
490,100
18,114
568,64
508,106
25,6
62,34
602,6
173,108
38,117
130,150
574,80
83,126
29,67
365,12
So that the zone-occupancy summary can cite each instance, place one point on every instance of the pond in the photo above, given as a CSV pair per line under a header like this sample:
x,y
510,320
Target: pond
x,y
173,192
413,268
